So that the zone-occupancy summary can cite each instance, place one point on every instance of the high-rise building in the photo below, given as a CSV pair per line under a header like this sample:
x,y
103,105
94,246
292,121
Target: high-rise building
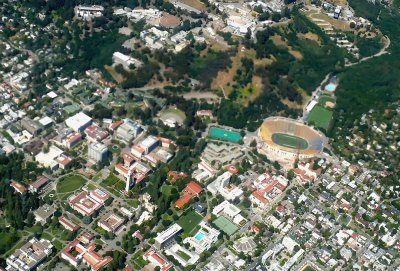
x,y
97,152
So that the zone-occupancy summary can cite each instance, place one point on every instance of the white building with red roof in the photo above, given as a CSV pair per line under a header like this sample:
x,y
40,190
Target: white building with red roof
x,y
111,222
305,173
64,161
38,184
88,203
267,189
68,224
157,260
95,133
18,187
79,251
137,170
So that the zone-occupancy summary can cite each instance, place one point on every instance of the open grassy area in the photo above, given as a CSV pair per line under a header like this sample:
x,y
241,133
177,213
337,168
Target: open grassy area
x,y
194,4
47,236
138,261
183,255
70,184
308,268
8,239
116,76
189,221
320,117
113,183
324,99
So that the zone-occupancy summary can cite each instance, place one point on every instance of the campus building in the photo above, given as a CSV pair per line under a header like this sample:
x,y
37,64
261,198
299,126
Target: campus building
x,y
97,152
88,203
83,250
30,255
79,122
111,222
165,237
128,130
203,239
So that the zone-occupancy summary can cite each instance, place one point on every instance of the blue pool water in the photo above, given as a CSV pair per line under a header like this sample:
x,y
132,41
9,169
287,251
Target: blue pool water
x,y
330,87
199,236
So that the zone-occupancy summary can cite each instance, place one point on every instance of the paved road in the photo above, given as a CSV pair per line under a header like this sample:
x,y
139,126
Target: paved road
x,y
380,53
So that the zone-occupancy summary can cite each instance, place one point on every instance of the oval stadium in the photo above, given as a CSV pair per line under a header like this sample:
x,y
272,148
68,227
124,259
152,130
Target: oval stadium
x,y
286,139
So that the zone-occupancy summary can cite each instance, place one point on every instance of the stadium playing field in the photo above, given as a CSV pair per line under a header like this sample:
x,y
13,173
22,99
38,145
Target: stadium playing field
x,y
289,141
320,117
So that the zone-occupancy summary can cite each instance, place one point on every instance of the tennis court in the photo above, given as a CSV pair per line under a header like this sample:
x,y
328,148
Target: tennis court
x,y
225,225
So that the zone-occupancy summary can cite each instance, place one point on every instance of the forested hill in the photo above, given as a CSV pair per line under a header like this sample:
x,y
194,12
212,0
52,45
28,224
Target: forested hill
x,y
376,82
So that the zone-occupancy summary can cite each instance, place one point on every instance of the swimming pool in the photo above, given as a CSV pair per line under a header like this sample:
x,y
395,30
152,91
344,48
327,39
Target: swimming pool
x,y
330,87
199,236
223,134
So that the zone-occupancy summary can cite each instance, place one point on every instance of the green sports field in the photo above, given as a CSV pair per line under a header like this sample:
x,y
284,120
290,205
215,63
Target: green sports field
x,y
289,141
189,221
324,99
320,117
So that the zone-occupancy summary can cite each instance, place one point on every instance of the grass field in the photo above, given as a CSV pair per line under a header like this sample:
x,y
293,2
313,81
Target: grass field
x,y
70,184
113,183
308,268
183,255
324,99
289,141
320,117
189,221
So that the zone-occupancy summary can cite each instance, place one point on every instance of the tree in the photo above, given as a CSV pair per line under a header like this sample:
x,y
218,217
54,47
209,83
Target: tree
x,y
290,174
87,220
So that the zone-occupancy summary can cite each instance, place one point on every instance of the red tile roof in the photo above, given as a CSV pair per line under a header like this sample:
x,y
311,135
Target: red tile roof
x,y
182,201
193,188
42,180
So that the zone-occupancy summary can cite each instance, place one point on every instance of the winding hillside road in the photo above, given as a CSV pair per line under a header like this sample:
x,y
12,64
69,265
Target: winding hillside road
x,y
380,53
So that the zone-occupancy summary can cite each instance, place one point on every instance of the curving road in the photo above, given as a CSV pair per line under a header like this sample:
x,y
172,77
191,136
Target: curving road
x,y
381,52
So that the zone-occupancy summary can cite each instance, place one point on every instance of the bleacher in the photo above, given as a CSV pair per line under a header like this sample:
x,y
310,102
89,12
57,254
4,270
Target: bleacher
x,y
292,127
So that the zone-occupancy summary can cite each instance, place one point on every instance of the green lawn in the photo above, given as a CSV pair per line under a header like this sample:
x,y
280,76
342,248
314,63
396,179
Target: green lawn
x,y
138,260
320,117
308,268
47,236
110,181
189,221
325,99
183,255
70,184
